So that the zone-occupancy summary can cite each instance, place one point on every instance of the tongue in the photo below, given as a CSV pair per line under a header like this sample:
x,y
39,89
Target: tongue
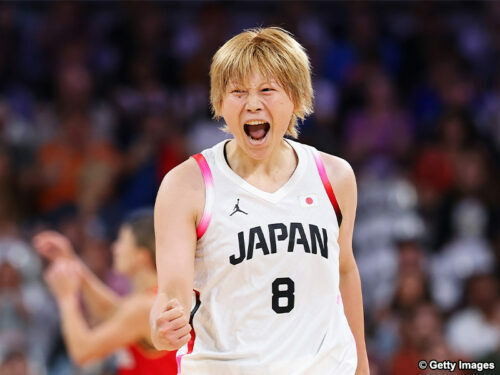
x,y
257,131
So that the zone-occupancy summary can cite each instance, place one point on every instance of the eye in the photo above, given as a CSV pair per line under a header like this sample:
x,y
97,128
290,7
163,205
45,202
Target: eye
x,y
237,91
267,89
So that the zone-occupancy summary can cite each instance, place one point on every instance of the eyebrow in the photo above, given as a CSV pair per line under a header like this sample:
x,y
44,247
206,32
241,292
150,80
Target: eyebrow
x,y
240,84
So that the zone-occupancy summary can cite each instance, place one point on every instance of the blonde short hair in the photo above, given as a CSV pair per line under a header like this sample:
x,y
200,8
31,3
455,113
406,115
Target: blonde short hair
x,y
274,53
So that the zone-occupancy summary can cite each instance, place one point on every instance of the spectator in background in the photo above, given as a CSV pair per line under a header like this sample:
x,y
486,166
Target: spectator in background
x,y
63,160
412,257
347,58
16,363
467,253
143,95
465,216
74,92
488,115
439,350
323,130
156,149
494,356
381,128
428,329
14,315
474,331
27,320
407,356
10,30
449,169
10,193
448,86
422,338
411,291
453,82
436,164
97,207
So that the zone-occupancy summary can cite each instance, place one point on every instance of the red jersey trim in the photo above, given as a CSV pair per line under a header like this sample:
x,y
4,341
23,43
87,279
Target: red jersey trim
x,y
193,333
328,186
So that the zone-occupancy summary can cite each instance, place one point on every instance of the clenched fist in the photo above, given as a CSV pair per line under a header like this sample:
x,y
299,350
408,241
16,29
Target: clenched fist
x,y
170,328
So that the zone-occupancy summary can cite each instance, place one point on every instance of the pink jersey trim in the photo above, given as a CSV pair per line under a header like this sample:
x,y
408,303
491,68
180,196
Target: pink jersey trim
x,y
326,183
178,358
209,188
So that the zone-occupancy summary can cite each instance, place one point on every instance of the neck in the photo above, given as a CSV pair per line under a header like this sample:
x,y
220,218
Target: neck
x,y
281,158
144,280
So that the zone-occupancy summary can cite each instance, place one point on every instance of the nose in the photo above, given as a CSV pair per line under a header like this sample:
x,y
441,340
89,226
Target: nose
x,y
253,103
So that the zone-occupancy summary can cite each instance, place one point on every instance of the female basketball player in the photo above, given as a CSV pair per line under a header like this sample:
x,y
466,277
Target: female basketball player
x,y
262,235
124,320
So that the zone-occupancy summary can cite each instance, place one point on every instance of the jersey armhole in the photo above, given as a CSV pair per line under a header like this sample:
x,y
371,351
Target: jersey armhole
x,y
327,185
209,195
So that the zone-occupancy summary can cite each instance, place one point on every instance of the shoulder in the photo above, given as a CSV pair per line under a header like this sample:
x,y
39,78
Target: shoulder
x,y
182,192
182,181
186,175
341,177
339,171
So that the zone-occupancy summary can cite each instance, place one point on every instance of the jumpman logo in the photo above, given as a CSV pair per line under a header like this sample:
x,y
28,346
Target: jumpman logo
x,y
237,208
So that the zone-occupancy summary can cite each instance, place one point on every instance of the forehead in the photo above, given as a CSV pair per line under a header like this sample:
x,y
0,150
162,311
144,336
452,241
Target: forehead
x,y
254,78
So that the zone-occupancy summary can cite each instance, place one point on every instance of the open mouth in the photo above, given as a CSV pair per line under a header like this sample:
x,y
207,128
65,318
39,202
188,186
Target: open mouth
x,y
257,130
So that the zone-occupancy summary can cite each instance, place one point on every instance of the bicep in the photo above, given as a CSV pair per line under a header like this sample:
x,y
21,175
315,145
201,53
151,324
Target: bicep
x,y
176,210
343,182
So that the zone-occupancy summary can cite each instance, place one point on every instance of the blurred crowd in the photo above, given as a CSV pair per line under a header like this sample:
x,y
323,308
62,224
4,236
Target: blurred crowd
x,y
99,100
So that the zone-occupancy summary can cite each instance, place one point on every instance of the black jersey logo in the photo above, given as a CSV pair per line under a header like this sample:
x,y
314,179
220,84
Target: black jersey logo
x,y
237,208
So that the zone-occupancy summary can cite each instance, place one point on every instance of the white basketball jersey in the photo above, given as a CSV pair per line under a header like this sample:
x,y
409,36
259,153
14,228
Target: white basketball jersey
x,y
267,277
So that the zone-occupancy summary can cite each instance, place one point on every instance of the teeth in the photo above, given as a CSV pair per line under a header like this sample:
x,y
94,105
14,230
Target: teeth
x,y
255,122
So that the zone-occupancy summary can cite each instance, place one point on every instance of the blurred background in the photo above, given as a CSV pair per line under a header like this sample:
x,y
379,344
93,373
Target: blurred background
x,y
98,100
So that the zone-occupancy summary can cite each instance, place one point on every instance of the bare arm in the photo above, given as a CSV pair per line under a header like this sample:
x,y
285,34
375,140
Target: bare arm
x,y
101,300
126,326
343,182
177,210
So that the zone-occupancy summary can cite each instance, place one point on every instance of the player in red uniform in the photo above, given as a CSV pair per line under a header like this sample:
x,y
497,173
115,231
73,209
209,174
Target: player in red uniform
x,y
124,321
